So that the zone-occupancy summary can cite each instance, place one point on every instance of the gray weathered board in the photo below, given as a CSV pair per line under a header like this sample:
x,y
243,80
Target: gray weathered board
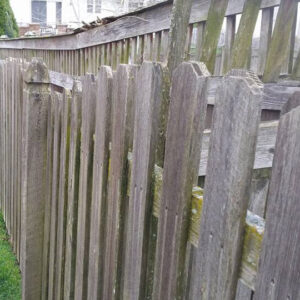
x,y
278,275
236,118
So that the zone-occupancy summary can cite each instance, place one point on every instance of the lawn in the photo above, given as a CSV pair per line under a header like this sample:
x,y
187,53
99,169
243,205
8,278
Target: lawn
x,y
10,278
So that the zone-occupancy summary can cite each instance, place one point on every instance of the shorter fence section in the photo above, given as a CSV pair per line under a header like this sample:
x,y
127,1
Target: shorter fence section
x,y
99,184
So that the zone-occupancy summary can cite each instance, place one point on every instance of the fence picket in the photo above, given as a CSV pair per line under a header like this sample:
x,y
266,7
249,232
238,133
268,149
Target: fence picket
x,y
235,125
73,191
85,186
278,275
121,142
185,123
100,177
149,96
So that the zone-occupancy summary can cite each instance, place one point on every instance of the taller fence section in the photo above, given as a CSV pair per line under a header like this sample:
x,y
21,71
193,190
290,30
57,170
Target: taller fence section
x,y
99,184
260,35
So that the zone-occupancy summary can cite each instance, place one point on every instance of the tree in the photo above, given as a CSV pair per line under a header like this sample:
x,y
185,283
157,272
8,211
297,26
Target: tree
x,y
8,24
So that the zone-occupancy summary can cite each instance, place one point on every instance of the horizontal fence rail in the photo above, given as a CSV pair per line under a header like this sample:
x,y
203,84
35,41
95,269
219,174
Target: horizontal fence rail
x,y
257,34
102,194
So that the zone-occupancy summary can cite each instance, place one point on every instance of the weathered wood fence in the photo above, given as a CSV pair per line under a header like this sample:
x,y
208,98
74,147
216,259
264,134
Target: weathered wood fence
x,y
99,184
144,35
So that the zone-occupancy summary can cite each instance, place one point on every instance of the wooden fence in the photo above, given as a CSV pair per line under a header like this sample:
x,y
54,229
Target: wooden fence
x,y
99,184
144,35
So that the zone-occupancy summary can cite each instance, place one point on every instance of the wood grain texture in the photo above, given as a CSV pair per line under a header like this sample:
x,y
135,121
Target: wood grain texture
x,y
265,36
264,147
121,141
235,126
149,98
278,50
241,51
57,103
212,32
47,219
100,176
73,191
278,275
85,185
229,40
62,195
34,146
184,132
178,32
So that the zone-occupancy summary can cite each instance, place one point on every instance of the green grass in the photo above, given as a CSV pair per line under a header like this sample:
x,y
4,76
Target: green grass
x,y
10,277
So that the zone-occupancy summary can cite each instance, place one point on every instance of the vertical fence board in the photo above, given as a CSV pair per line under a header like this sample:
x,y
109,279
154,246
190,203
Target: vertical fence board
x,y
62,194
278,275
85,186
241,52
121,142
100,176
235,125
47,218
55,185
212,32
265,36
149,97
184,132
280,40
73,191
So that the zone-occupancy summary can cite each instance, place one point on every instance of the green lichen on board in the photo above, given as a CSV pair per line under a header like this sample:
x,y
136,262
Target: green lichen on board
x,y
243,41
196,212
10,277
212,32
254,232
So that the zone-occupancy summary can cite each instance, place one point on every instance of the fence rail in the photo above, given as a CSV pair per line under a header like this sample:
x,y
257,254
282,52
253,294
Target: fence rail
x,y
99,184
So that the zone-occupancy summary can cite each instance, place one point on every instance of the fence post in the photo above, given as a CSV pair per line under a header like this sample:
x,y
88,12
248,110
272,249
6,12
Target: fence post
x,y
36,95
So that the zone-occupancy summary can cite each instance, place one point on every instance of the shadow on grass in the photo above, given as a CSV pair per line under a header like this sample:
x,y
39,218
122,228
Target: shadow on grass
x,y
10,277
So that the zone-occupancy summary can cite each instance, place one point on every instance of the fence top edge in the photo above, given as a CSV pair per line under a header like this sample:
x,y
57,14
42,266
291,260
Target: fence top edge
x,y
81,40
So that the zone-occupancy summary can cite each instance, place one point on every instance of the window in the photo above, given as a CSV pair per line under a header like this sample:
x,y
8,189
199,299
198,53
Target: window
x,y
98,6
90,6
39,12
58,12
94,6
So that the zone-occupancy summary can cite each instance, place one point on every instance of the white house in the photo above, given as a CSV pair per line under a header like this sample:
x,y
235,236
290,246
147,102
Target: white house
x,y
70,12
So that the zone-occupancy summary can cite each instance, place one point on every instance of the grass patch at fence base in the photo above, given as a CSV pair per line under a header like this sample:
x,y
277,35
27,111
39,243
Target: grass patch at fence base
x,y
10,277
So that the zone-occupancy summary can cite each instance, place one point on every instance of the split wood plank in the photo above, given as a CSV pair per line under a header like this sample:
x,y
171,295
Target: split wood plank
x,y
235,126
73,191
85,186
184,132
121,141
278,275
100,181
149,97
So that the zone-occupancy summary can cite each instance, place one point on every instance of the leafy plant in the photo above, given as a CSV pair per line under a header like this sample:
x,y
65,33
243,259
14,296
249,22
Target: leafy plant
x,y
8,24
